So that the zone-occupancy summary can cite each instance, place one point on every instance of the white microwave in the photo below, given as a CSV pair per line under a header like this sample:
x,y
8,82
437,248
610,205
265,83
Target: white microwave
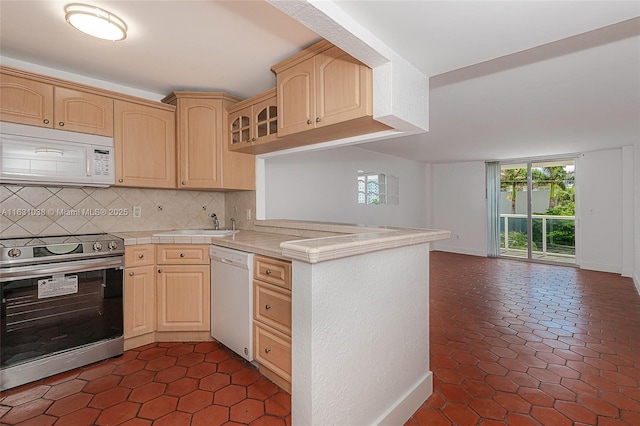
x,y
35,155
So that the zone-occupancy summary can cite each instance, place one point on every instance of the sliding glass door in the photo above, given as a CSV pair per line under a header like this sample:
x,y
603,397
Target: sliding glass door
x,y
537,210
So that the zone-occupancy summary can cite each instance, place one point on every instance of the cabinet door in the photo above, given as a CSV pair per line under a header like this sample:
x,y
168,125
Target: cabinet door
x,y
265,120
78,111
296,98
183,298
238,169
200,135
344,89
26,101
139,301
144,146
240,128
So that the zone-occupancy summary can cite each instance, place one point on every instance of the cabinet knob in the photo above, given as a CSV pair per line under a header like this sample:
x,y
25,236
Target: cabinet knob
x,y
253,139
267,350
267,307
268,272
120,180
181,254
140,256
130,274
159,271
318,119
61,124
183,183
45,121
309,121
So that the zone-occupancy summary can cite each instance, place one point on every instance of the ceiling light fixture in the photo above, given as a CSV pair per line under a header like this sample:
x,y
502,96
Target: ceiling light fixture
x,y
95,21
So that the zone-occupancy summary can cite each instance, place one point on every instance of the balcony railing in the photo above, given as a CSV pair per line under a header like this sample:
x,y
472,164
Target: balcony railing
x,y
553,236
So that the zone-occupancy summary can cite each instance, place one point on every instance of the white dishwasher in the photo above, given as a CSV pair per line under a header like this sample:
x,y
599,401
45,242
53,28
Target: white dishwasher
x,y
232,299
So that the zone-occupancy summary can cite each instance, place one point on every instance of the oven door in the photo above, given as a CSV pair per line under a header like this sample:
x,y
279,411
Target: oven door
x,y
50,308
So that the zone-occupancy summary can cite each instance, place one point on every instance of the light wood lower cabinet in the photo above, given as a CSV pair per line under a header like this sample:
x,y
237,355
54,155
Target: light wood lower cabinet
x,y
183,299
140,301
273,351
166,294
272,319
139,291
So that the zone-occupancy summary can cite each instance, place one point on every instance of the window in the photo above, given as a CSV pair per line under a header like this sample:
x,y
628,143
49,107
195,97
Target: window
x,y
377,188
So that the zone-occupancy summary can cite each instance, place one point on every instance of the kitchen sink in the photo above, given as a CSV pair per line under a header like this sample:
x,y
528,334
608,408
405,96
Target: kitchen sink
x,y
196,233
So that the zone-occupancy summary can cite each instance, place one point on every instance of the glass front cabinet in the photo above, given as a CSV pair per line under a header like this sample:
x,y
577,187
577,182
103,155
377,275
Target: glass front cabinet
x,y
253,122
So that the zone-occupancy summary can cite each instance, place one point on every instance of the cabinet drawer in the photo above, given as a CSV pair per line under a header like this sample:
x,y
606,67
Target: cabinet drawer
x,y
272,271
273,350
182,254
272,306
141,255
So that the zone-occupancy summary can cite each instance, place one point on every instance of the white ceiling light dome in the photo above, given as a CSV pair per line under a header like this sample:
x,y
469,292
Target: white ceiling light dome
x,y
95,21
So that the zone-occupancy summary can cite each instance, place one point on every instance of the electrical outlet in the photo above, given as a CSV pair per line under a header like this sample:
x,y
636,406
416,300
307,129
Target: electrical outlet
x,y
247,214
137,211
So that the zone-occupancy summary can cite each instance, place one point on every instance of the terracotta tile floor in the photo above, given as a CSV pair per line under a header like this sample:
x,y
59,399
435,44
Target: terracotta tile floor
x,y
521,343
164,384
511,343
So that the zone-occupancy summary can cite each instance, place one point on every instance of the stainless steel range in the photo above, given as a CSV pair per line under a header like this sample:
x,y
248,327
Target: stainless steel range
x,y
61,304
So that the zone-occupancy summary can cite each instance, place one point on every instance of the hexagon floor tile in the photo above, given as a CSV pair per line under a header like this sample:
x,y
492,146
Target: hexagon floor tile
x,y
161,384
512,343
519,343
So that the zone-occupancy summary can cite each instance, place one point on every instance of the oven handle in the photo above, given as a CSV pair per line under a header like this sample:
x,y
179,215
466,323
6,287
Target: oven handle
x,y
35,271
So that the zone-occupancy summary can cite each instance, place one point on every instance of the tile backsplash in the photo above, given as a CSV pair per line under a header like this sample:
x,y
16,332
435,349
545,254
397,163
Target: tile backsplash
x,y
40,210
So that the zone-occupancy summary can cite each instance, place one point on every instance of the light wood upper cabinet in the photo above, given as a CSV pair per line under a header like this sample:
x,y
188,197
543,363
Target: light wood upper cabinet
x,y
320,87
253,123
36,103
82,112
26,101
204,159
145,150
343,88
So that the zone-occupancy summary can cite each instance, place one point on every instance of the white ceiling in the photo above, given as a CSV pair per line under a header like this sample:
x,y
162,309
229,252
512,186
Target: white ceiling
x,y
509,79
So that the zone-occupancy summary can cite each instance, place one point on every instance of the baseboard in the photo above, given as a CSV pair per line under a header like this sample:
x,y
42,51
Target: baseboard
x,y
459,250
137,341
404,408
167,336
600,267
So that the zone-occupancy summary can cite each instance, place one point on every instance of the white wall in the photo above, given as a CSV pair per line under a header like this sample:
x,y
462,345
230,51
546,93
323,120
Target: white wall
x,y
636,220
322,186
360,338
606,220
458,204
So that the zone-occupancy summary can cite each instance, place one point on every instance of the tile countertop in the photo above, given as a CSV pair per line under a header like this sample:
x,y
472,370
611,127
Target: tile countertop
x,y
310,242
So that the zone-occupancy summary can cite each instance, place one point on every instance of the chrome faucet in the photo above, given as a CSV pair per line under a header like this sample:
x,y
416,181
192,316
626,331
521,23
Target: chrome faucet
x,y
216,224
233,224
